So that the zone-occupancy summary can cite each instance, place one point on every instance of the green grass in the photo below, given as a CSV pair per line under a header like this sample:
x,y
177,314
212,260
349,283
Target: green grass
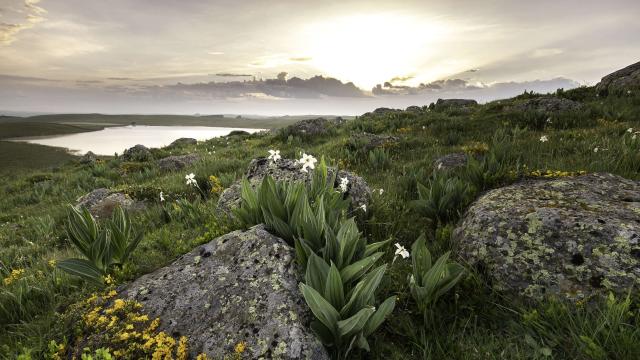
x,y
18,156
470,322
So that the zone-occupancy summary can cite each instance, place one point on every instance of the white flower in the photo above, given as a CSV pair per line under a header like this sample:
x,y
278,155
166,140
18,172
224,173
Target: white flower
x,y
274,155
400,250
634,136
363,207
343,184
424,128
630,130
161,196
307,161
544,138
549,121
381,191
595,150
439,166
191,179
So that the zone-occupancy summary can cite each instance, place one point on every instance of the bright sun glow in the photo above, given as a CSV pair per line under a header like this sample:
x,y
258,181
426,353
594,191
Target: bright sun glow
x,y
370,49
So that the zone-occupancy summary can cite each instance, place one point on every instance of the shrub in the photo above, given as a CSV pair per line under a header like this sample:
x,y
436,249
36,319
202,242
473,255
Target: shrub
x,y
379,159
103,247
443,199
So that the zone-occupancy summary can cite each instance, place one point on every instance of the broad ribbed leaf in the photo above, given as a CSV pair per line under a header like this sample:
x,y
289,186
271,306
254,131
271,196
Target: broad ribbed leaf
x,y
348,237
372,248
317,271
334,291
363,291
322,332
356,270
321,308
421,258
82,268
380,315
355,323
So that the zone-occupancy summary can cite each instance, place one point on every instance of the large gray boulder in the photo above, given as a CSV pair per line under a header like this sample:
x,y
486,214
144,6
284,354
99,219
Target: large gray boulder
x,y
184,141
567,237
242,286
101,202
289,170
88,158
546,105
366,141
137,153
450,161
621,82
454,103
310,127
177,162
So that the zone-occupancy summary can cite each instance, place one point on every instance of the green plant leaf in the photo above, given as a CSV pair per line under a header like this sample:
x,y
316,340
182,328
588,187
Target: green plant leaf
x,y
334,290
83,269
355,323
356,270
317,271
321,308
380,315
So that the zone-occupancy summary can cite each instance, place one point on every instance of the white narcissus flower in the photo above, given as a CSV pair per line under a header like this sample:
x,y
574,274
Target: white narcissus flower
x,y
630,130
274,155
544,138
381,191
595,150
191,179
161,196
307,161
400,250
344,182
363,207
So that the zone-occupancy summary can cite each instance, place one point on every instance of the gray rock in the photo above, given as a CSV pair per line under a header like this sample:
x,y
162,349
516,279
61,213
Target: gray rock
x,y
450,161
184,141
177,162
242,286
137,153
88,158
289,170
414,109
568,237
546,105
101,202
454,103
621,82
310,127
366,141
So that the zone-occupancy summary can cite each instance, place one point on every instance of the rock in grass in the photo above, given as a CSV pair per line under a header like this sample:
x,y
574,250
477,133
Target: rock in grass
x,y
242,286
366,142
289,170
177,162
101,202
568,237
450,161
88,158
137,153
184,141
622,82
310,127
454,103
546,105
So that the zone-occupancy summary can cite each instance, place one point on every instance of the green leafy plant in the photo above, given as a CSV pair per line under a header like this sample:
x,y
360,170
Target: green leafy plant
x,y
379,159
443,199
430,280
103,248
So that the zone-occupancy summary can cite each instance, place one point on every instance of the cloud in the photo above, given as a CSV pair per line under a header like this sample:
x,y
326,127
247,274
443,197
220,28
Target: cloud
x,y
215,53
540,53
300,59
34,15
401,78
15,78
120,78
233,75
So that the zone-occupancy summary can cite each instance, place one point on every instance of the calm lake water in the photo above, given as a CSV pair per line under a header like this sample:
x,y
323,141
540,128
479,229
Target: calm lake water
x,y
116,139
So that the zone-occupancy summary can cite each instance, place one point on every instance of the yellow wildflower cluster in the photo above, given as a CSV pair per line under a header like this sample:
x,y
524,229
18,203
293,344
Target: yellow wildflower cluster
x,y
555,173
16,274
118,325
476,148
216,186
404,130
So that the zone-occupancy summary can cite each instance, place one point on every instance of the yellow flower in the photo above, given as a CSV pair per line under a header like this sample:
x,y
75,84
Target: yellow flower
x,y
202,357
216,186
108,280
52,263
182,353
15,275
240,347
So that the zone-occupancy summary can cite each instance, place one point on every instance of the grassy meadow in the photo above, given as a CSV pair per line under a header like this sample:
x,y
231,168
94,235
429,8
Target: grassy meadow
x,y
471,321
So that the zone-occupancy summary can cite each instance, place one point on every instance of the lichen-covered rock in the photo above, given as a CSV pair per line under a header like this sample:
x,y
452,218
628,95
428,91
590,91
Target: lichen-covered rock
x,y
242,286
137,153
177,162
546,105
101,202
454,103
365,141
622,82
414,109
570,237
184,141
310,127
450,161
88,158
289,170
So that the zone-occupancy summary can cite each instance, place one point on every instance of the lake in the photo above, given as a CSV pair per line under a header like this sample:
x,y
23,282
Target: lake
x,y
116,139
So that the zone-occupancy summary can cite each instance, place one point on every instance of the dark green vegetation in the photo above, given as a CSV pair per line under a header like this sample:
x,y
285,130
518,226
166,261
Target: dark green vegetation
x,y
471,321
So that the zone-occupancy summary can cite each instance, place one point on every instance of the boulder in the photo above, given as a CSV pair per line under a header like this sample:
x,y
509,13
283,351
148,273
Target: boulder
x,y
184,141
450,161
137,153
177,162
366,141
310,127
101,202
568,237
414,109
88,158
289,170
454,103
238,133
621,82
546,105
242,286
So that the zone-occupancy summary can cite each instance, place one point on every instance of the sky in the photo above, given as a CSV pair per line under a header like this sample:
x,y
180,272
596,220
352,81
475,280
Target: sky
x,y
199,56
